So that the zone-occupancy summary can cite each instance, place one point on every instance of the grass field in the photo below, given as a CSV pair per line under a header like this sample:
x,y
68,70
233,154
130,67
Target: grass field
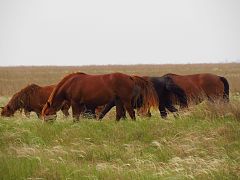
x,y
201,143
14,78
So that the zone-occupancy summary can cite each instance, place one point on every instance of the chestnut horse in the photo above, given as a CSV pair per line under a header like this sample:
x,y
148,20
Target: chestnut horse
x,y
199,87
165,88
84,90
31,98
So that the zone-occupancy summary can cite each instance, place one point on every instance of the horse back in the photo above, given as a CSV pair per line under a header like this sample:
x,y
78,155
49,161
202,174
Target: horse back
x,y
197,85
189,83
39,97
99,89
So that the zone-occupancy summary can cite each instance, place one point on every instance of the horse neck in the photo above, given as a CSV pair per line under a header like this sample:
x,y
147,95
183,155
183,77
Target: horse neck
x,y
16,103
57,97
59,93
22,98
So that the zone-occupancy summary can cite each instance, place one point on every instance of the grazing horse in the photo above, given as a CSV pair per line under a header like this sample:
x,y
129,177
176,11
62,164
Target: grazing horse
x,y
199,87
165,88
84,90
31,98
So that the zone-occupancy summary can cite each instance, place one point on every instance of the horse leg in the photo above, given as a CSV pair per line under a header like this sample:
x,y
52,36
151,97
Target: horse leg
x,y
76,111
162,110
106,109
172,109
93,113
64,110
119,108
27,113
90,112
130,110
123,113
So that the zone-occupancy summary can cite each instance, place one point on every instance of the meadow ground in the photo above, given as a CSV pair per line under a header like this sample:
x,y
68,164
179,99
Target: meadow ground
x,y
201,143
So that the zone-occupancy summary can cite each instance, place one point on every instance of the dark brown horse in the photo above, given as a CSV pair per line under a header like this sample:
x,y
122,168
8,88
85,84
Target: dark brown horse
x,y
31,98
165,88
91,91
199,87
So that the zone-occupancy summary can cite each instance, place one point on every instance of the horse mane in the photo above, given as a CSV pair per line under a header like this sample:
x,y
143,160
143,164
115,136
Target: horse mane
x,y
142,78
149,94
22,98
52,95
177,91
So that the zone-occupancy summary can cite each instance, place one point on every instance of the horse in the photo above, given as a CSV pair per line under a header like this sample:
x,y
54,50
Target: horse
x,y
31,98
200,87
84,90
165,88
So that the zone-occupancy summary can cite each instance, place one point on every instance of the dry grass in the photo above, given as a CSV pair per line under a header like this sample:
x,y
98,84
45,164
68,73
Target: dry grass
x,y
209,110
14,78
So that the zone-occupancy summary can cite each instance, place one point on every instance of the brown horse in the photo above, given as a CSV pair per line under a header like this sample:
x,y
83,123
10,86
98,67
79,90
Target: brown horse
x,y
184,90
199,87
31,98
165,88
91,91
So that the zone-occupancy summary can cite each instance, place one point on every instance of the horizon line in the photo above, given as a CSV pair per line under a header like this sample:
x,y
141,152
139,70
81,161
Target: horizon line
x,y
138,64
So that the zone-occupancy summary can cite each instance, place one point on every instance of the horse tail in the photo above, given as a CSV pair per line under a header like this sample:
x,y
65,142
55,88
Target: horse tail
x,y
148,93
226,88
178,92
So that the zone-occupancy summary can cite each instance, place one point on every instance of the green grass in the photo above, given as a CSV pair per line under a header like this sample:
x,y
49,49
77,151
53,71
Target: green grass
x,y
194,145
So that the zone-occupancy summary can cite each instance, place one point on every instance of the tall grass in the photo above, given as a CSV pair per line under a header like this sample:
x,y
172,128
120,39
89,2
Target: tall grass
x,y
200,143
219,110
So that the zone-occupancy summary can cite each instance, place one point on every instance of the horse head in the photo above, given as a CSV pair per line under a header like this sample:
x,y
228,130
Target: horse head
x,y
49,113
7,111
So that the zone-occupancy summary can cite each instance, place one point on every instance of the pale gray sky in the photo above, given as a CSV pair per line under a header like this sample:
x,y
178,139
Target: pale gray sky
x,y
55,32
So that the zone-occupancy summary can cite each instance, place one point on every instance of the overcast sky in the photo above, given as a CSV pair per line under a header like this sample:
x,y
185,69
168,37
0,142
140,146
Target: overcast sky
x,y
55,32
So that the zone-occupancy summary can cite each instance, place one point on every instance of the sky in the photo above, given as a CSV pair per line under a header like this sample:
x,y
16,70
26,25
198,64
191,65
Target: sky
x,y
96,32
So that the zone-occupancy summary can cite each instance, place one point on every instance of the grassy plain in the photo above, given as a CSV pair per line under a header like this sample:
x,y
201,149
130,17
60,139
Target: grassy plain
x,y
201,143
14,78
